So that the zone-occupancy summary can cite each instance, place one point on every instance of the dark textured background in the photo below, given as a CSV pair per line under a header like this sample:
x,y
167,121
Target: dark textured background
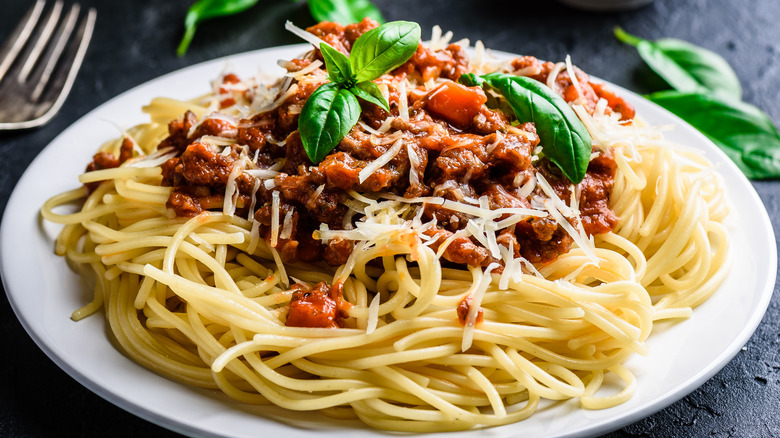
x,y
135,41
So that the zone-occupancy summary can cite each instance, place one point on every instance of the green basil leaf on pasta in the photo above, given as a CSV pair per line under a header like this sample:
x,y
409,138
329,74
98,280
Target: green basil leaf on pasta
x,y
344,11
745,133
383,49
564,139
328,115
205,9
370,92
337,64
686,67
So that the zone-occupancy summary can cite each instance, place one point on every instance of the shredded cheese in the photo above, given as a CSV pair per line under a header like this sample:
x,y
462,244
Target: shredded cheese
x,y
275,209
231,189
383,159
298,75
308,37
403,101
414,161
287,229
476,302
373,315
554,75
574,80
155,159
554,206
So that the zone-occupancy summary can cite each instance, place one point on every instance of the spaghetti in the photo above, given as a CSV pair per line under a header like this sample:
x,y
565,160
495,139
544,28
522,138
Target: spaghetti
x,y
416,342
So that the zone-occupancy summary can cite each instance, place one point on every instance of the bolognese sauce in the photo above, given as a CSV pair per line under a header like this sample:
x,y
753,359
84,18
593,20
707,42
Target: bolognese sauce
x,y
456,148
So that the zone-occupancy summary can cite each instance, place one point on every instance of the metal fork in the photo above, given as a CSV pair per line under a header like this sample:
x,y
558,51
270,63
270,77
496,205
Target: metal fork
x,y
38,64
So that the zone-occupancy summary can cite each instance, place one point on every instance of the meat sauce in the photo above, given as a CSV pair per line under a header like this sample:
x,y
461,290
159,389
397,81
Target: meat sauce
x,y
463,149
320,306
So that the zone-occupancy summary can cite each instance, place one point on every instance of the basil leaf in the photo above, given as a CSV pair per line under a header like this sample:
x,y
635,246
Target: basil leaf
x,y
564,139
745,133
687,68
328,115
205,9
370,92
471,80
383,49
337,64
344,11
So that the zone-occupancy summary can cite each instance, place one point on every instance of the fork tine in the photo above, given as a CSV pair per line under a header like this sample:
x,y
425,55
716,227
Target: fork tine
x,y
41,75
32,53
19,37
65,71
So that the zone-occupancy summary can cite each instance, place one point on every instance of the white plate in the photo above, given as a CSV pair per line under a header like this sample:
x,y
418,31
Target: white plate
x,y
44,292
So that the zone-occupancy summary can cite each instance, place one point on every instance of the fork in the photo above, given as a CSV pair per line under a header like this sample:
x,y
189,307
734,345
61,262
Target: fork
x,y
37,73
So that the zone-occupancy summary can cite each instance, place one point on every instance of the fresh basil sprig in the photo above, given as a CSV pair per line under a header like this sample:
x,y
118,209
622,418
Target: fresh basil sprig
x,y
332,112
713,105
333,109
687,68
340,11
563,137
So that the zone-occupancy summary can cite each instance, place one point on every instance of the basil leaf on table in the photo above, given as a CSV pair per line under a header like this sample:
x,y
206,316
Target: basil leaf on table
x,y
745,133
686,67
328,115
563,137
205,9
337,64
344,11
370,92
383,49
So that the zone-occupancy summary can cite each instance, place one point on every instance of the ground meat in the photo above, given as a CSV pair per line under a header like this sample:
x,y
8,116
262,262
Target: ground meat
x,y
215,127
449,63
201,165
183,204
461,250
596,215
338,250
178,131
536,250
106,160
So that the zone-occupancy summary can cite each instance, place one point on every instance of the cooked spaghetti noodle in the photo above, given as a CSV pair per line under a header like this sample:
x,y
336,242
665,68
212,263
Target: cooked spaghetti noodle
x,y
423,344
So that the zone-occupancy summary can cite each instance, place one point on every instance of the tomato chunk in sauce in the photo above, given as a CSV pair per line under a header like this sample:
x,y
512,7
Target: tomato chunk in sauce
x,y
456,103
320,306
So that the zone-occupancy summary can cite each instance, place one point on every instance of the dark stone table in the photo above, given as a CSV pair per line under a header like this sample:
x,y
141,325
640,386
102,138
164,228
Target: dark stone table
x,y
135,41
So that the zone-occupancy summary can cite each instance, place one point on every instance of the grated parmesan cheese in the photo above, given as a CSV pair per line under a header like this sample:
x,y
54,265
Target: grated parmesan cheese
x,y
231,189
287,229
574,81
275,208
298,75
403,101
414,161
373,315
554,75
555,206
476,302
383,159
306,36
